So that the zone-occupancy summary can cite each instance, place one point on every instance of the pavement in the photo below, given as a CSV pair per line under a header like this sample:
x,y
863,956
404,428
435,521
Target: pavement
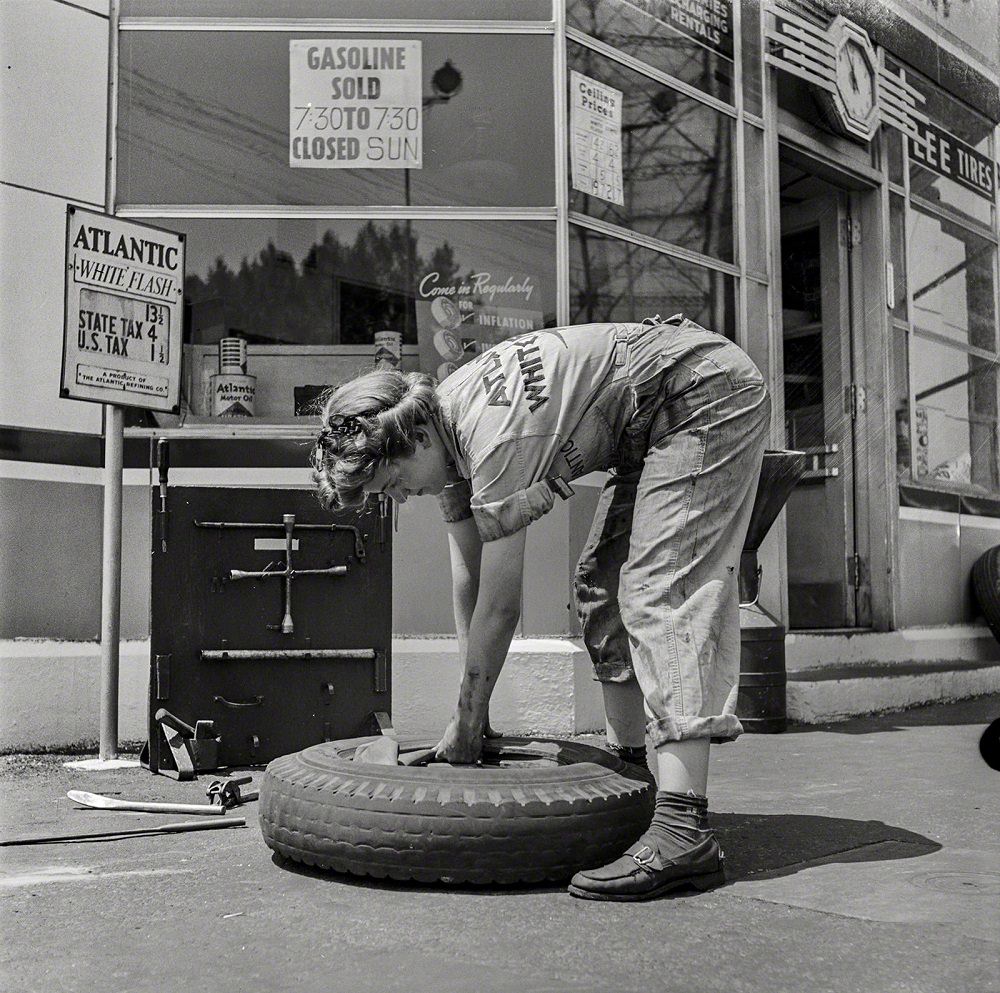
x,y
862,856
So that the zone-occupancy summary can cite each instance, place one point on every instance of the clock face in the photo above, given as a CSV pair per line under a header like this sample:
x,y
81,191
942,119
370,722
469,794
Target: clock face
x,y
855,80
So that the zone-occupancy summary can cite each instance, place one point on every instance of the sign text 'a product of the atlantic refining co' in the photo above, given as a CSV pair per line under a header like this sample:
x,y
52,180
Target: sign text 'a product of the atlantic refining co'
x,y
124,294
355,104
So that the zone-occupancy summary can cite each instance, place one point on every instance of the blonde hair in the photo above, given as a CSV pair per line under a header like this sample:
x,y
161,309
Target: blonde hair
x,y
365,422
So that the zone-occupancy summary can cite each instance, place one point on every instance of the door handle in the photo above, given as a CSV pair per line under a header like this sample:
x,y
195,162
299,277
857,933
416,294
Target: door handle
x,y
255,702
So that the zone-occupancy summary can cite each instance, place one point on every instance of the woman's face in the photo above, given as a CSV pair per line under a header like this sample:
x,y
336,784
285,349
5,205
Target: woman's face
x,y
423,473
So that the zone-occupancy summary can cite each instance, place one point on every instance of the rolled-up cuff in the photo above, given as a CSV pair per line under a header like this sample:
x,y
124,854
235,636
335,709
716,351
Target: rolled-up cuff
x,y
454,501
514,513
664,730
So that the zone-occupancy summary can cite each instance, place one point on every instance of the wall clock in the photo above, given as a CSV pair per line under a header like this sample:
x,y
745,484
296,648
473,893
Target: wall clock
x,y
851,107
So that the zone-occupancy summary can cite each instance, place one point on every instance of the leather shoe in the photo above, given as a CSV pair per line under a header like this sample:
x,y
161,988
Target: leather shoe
x,y
643,874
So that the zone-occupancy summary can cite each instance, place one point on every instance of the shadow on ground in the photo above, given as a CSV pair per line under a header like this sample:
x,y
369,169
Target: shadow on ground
x,y
980,710
766,846
757,846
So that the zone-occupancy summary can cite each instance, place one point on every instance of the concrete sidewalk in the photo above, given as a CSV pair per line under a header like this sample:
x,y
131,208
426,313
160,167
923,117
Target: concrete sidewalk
x,y
862,856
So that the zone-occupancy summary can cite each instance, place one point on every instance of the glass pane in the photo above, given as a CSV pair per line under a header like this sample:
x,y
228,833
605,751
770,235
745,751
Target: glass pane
x,y
323,282
676,163
753,94
969,127
893,140
663,42
897,239
955,416
754,197
802,330
204,118
495,10
951,271
901,405
613,280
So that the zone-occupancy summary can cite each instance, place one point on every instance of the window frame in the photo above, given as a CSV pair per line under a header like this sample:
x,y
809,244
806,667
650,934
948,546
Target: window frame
x,y
990,233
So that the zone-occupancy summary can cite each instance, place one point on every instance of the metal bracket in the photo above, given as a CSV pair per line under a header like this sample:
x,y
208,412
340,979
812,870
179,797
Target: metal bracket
x,y
359,538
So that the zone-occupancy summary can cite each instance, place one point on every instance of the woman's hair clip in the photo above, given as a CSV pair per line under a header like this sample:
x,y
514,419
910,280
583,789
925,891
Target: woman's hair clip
x,y
345,426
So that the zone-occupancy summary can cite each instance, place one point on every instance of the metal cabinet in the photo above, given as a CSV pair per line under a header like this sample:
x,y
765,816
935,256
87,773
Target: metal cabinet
x,y
269,617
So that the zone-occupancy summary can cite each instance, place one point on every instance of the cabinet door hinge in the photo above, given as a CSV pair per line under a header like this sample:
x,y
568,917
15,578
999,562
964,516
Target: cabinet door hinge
x,y
855,400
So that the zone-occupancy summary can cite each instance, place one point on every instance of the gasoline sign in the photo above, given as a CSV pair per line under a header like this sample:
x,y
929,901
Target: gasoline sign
x,y
355,104
124,294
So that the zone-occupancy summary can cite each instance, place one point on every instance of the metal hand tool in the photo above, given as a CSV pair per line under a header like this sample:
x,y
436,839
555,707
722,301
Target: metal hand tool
x,y
228,794
176,828
99,802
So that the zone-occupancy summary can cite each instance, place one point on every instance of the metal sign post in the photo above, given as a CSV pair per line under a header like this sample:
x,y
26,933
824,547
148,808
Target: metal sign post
x,y
122,348
111,577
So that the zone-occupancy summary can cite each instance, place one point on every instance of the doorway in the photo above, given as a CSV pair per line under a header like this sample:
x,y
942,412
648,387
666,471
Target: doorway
x,y
818,241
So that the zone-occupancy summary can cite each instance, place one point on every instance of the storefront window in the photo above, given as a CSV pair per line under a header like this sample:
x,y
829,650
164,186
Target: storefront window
x,y
951,271
614,280
955,413
901,405
496,10
333,282
205,118
941,168
897,243
677,163
755,199
695,44
753,94
893,145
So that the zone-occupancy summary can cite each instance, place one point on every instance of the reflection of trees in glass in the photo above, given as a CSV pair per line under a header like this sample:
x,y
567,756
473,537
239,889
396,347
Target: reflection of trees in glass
x,y
272,300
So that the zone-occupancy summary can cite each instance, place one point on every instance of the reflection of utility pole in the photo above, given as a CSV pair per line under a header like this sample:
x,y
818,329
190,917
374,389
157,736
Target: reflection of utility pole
x,y
446,83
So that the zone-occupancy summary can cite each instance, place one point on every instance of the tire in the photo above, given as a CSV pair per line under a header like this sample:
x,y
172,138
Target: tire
x,y
986,586
537,809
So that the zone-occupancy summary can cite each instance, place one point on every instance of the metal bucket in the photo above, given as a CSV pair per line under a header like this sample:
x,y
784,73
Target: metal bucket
x,y
761,702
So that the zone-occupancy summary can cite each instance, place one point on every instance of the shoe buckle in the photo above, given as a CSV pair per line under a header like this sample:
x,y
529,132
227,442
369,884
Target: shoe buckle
x,y
644,860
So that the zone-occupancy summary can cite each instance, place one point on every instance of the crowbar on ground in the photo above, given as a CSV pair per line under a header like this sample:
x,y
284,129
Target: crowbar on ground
x,y
110,803
174,828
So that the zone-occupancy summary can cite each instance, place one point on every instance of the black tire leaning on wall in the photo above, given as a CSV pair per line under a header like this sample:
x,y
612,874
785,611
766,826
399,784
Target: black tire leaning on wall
x,y
566,806
986,587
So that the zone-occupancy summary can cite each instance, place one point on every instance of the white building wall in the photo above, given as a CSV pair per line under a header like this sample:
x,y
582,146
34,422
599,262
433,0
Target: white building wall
x,y
53,139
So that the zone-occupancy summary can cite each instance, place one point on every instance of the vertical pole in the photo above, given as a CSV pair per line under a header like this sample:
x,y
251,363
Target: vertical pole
x,y
114,443
111,578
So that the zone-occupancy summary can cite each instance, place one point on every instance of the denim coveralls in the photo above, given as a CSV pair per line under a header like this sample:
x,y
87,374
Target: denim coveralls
x,y
680,416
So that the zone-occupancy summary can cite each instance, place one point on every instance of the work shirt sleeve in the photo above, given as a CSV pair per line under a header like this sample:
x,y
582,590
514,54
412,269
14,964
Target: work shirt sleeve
x,y
509,488
454,501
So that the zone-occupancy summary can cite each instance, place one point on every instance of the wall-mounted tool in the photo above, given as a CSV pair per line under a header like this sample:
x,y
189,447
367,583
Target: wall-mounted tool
x,y
287,625
162,470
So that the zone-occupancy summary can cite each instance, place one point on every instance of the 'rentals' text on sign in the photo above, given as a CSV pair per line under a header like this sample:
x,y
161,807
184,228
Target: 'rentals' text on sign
x,y
355,104
707,21
946,155
124,293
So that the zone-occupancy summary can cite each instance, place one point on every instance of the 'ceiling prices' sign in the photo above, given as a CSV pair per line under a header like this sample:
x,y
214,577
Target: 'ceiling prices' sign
x,y
355,104
124,298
